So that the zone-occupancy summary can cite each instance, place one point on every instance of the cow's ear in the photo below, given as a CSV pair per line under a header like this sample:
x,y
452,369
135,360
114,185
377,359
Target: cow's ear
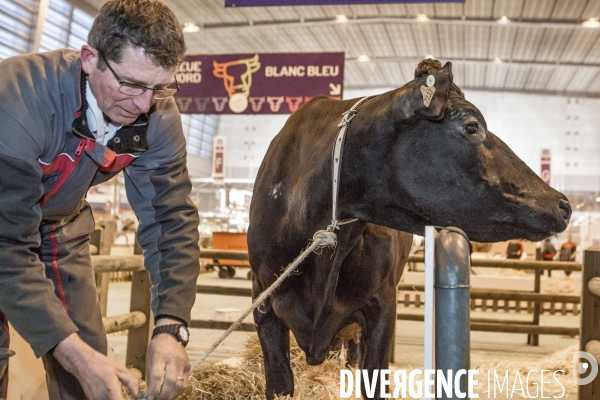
x,y
427,95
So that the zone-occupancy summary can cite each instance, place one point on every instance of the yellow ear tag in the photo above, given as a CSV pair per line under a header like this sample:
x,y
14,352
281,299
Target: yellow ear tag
x,y
428,92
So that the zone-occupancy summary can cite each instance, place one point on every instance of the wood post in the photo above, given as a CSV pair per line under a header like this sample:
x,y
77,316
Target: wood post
x,y
590,316
534,340
138,338
102,279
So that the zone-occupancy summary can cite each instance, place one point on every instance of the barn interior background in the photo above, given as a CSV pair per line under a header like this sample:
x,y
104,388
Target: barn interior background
x,y
531,66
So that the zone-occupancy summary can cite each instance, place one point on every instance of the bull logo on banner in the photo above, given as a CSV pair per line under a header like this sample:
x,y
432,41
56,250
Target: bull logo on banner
x,y
238,89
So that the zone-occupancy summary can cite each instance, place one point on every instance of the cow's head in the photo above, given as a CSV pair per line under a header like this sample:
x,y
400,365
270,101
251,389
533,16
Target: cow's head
x,y
443,167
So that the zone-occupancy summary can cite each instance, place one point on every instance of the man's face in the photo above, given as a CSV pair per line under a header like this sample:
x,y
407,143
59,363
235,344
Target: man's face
x,y
135,67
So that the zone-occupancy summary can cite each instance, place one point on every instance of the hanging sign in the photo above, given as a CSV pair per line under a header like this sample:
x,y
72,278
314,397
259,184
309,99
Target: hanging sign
x,y
250,3
546,163
270,83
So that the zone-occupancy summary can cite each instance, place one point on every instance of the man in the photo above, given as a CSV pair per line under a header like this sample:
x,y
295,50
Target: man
x,y
568,252
548,252
514,249
71,120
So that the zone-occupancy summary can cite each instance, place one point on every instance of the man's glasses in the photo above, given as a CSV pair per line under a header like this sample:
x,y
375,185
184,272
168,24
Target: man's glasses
x,y
133,89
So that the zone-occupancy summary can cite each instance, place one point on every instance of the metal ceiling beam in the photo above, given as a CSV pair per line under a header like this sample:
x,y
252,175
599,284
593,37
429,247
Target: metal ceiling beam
x,y
529,23
493,90
416,60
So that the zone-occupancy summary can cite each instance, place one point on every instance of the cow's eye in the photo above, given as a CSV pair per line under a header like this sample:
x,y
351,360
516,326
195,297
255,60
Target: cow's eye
x,y
471,128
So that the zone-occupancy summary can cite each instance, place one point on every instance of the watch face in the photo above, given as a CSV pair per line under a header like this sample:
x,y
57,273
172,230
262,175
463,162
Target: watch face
x,y
185,335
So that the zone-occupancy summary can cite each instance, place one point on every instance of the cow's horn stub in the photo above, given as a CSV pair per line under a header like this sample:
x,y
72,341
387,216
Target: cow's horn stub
x,y
427,66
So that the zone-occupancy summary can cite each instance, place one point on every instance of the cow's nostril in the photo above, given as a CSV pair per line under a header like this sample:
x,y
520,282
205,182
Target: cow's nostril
x,y
565,209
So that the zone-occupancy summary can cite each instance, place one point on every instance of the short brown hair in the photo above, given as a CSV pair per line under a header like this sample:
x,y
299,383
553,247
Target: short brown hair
x,y
148,24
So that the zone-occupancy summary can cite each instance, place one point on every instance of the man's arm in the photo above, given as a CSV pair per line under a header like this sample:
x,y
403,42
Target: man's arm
x,y
158,189
99,376
167,365
27,297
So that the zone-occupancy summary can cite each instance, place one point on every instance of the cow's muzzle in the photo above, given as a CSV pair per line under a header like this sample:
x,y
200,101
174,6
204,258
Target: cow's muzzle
x,y
565,210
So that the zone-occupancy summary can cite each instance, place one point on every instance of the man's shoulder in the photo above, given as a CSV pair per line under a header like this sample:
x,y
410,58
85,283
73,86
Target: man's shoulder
x,y
55,71
39,86
24,63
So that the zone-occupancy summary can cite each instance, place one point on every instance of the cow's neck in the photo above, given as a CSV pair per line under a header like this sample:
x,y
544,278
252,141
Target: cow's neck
x,y
368,162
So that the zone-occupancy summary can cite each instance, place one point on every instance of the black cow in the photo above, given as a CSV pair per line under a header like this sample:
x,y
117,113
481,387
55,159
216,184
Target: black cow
x,y
412,157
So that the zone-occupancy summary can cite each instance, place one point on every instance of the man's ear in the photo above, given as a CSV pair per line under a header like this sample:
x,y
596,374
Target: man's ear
x,y
426,96
89,58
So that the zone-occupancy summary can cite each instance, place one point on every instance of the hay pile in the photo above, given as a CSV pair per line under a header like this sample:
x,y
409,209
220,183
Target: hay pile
x,y
562,285
560,360
247,381
221,382
322,382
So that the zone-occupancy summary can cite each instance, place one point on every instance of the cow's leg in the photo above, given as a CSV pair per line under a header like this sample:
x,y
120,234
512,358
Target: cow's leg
x,y
378,335
274,339
353,354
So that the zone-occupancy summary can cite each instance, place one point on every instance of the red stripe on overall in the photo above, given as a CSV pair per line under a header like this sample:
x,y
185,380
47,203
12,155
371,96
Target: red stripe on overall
x,y
59,285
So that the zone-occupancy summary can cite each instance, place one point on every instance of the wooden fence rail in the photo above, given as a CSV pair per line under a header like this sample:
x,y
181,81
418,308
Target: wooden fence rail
x,y
140,324
535,300
124,322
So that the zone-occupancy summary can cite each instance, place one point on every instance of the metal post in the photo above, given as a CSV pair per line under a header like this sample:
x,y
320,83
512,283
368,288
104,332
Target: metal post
x,y
452,312
429,317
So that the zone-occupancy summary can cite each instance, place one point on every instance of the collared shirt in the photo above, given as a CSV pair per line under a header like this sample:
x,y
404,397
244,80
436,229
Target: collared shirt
x,y
95,119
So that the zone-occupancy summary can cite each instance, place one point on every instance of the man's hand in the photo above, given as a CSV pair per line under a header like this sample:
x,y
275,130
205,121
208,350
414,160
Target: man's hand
x,y
99,376
167,365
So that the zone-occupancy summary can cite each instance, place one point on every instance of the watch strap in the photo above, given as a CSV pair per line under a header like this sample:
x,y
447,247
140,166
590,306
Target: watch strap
x,y
172,329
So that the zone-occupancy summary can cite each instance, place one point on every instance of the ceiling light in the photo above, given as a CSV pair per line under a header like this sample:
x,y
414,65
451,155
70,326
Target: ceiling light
x,y
591,23
341,18
363,58
430,56
498,60
504,20
190,27
422,17
597,199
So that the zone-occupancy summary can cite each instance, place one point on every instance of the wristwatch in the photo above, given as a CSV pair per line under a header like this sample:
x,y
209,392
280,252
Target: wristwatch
x,y
180,332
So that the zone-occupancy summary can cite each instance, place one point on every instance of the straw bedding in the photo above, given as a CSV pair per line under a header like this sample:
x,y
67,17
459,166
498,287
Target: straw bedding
x,y
246,381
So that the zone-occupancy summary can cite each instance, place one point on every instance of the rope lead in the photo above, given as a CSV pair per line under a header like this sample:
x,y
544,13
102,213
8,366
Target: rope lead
x,y
320,239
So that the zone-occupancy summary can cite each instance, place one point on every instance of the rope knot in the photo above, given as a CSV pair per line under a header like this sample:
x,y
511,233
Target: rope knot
x,y
324,239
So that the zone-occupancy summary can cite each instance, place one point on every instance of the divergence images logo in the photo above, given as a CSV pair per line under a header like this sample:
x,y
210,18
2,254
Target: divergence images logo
x,y
580,368
237,78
